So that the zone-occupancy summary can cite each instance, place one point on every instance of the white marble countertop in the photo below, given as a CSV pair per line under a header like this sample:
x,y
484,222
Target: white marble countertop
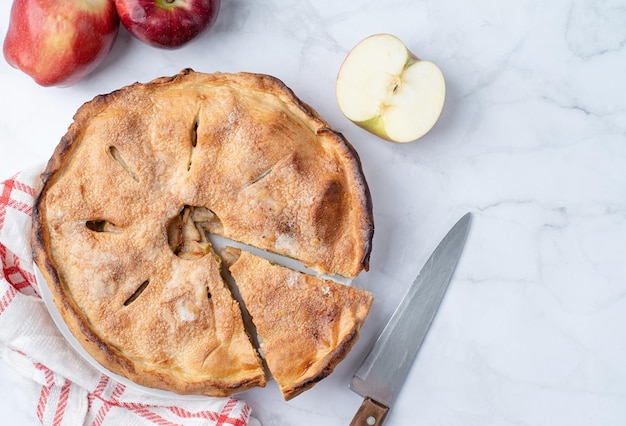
x,y
532,140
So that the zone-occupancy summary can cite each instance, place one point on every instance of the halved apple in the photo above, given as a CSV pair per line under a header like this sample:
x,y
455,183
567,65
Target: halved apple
x,y
385,89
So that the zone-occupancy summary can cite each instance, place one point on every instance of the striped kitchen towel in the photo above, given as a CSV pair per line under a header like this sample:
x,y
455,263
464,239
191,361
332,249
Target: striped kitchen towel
x,y
68,390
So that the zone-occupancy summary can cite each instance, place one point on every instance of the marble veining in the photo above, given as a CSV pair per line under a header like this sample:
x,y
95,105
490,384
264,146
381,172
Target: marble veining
x,y
532,140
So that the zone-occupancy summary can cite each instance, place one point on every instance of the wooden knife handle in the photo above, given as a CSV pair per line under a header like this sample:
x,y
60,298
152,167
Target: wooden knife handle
x,y
370,413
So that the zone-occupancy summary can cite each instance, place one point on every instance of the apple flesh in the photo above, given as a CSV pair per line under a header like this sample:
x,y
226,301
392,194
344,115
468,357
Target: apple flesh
x,y
385,89
58,43
167,23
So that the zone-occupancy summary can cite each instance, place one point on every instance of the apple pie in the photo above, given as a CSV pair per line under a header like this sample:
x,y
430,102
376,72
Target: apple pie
x,y
143,177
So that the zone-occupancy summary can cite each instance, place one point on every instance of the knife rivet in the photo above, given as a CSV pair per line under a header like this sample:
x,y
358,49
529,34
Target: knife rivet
x,y
371,421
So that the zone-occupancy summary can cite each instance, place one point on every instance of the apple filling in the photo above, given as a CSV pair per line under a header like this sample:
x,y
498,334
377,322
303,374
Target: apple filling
x,y
102,225
193,137
137,293
187,232
117,156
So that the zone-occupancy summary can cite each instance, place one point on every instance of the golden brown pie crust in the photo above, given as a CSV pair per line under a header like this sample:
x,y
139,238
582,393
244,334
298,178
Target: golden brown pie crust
x,y
305,324
239,146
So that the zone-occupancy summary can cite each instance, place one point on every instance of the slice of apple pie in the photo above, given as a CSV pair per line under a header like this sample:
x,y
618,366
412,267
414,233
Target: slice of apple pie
x,y
305,324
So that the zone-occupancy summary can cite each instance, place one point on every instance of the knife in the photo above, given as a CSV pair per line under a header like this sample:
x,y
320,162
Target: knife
x,y
380,376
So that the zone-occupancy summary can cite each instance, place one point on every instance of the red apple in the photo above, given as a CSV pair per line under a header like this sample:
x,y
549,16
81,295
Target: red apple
x,y
167,23
58,43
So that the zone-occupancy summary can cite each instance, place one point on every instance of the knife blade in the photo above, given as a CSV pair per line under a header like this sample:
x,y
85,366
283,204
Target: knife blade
x,y
379,378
